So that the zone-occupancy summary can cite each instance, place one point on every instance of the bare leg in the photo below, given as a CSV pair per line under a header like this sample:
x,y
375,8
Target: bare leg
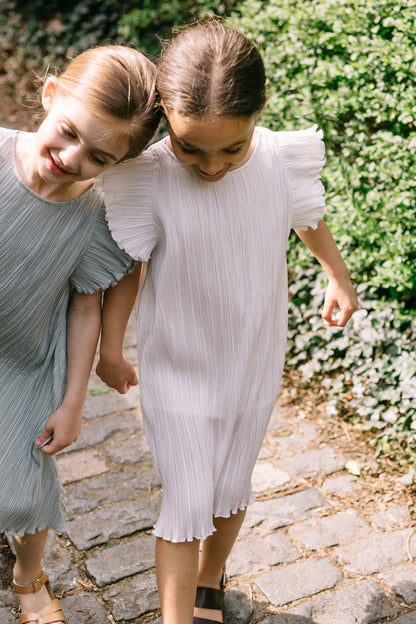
x,y
177,571
215,550
29,550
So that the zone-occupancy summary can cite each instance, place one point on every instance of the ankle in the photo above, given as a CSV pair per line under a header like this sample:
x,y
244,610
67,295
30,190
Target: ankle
x,y
213,580
23,578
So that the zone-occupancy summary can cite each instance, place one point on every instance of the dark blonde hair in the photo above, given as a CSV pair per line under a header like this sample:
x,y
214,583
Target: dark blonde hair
x,y
210,69
118,81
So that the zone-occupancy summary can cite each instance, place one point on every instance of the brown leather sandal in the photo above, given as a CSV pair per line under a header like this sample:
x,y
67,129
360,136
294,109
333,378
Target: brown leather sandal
x,y
51,614
210,598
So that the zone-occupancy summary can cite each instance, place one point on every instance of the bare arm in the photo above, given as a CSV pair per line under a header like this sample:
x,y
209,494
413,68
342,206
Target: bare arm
x,y
340,294
112,368
83,329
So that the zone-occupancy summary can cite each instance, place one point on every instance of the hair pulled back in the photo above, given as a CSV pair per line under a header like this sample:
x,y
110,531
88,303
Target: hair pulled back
x,y
118,81
210,69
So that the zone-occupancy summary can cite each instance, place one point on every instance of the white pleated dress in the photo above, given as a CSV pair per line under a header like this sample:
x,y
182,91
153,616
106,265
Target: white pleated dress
x,y
212,317
47,249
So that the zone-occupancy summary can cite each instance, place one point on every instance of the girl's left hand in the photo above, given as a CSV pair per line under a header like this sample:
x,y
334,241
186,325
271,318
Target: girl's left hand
x,y
64,425
340,303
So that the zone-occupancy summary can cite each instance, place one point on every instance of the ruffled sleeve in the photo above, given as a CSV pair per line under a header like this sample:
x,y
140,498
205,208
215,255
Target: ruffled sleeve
x,y
304,154
103,263
127,190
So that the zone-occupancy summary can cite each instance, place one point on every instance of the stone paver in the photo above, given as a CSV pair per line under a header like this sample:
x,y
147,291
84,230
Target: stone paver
x,y
306,554
298,580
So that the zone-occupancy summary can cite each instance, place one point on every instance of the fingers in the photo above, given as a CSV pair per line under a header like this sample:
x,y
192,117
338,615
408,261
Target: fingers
x,y
44,439
337,317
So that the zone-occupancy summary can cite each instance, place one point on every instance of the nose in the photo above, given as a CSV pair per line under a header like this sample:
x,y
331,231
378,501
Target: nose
x,y
212,164
71,156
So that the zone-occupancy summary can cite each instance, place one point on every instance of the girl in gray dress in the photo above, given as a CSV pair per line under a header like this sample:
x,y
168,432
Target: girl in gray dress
x,y
56,257
210,208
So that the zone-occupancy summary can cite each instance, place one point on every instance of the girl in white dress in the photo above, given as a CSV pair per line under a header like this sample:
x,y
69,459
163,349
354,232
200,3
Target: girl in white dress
x,y
56,256
210,208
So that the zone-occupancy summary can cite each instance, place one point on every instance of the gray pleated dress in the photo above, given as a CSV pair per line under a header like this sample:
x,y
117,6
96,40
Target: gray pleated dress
x,y
212,317
46,249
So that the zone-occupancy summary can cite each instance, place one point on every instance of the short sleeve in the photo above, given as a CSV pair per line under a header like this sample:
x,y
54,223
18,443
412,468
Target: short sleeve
x,y
127,190
103,263
304,154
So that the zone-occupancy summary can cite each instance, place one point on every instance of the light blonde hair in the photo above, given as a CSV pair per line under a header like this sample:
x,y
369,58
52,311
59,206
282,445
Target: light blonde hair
x,y
210,69
118,81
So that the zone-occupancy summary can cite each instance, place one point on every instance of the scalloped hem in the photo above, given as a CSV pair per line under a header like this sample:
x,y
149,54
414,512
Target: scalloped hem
x,y
59,528
113,282
170,537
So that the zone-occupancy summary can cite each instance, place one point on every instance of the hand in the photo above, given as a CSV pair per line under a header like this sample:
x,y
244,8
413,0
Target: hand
x,y
64,425
119,375
340,303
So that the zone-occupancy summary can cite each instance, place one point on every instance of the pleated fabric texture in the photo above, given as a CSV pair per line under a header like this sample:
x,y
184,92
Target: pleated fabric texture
x,y
212,317
46,250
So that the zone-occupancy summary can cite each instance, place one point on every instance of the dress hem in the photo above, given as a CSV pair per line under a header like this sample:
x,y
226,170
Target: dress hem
x,y
203,536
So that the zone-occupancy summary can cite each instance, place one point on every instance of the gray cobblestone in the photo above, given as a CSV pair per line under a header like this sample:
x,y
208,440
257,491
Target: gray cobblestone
x,y
311,463
402,581
133,598
84,609
133,450
123,560
255,555
97,431
6,616
298,580
408,618
103,525
368,556
283,511
109,489
364,602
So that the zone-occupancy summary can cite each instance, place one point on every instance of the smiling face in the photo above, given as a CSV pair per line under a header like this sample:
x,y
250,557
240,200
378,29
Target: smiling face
x,y
211,147
72,144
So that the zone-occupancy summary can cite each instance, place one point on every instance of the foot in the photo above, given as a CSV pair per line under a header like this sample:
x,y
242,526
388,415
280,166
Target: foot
x,y
36,600
208,604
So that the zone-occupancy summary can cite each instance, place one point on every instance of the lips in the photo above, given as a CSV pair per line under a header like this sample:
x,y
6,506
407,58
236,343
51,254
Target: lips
x,y
210,176
57,169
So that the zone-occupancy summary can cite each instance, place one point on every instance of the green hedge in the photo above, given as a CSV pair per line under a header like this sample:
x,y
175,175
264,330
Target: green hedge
x,y
50,33
350,67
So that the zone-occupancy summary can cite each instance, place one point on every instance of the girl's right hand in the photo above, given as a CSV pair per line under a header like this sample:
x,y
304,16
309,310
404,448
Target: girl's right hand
x,y
120,375
64,425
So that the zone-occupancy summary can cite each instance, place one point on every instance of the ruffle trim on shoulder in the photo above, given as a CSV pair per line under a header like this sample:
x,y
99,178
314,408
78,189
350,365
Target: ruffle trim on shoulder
x,y
304,154
103,264
127,191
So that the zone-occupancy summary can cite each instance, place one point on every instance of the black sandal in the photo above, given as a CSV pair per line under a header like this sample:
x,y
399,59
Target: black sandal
x,y
210,598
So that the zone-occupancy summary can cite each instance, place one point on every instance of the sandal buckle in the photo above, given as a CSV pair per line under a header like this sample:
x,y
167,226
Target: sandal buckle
x,y
37,585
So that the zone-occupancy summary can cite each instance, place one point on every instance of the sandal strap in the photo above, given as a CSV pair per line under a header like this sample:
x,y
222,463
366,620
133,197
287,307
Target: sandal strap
x,y
51,614
33,587
209,598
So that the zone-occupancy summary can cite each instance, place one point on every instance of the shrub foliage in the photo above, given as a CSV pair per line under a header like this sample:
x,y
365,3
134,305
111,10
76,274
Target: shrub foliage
x,y
350,67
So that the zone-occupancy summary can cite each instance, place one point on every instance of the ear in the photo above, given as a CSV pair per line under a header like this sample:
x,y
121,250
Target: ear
x,y
49,92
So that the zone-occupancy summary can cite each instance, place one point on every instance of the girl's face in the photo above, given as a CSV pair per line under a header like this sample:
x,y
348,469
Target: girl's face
x,y
72,144
212,146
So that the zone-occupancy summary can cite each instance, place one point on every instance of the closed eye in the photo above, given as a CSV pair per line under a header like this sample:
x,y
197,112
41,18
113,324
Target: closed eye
x,y
68,132
97,160
234,151
187,150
